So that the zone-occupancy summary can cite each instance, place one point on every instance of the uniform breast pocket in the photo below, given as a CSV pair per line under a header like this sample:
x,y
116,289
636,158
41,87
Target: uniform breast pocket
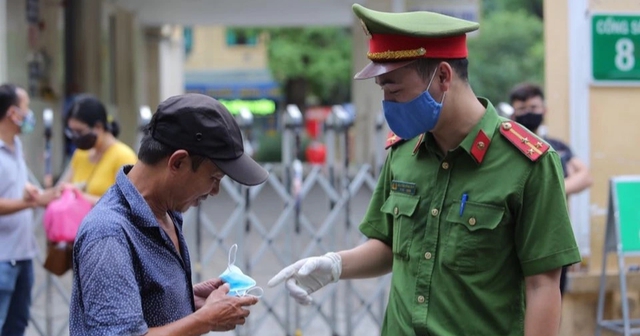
x,y
402,208
475,237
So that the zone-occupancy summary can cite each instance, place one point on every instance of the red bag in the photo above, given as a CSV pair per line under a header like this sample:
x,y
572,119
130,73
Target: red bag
x,y
63,216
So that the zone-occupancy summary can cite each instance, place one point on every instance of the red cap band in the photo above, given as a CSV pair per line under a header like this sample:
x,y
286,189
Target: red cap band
x,y
388,47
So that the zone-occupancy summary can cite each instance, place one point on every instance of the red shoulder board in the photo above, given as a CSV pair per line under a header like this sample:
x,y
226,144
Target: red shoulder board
x,y
524,140
392,140
480,145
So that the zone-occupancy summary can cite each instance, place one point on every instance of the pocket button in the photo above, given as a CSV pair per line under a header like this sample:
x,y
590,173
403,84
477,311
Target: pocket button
x,y
472,221
395,211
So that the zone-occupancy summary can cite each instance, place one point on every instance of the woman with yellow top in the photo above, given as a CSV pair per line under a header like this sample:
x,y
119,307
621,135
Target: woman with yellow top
x,y
99,155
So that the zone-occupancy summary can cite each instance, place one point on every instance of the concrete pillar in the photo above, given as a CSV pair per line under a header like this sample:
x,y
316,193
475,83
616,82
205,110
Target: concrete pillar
x,y
152,37
171,62
16,42
3,41
125,75
88,77
51,45
367,96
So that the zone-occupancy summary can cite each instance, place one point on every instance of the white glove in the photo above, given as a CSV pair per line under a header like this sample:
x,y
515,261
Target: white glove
x,y
308,275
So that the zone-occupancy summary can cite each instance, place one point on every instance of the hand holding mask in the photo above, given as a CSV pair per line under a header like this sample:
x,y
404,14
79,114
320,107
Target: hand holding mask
x,y
240,284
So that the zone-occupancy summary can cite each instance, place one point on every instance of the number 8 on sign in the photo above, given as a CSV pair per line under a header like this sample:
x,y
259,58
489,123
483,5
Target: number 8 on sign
x,y
625,60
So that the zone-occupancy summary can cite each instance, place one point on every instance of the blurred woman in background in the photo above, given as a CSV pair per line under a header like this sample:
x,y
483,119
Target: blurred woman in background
x,y
99,154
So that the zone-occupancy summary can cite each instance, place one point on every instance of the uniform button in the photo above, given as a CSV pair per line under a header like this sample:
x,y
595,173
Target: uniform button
x,y
395,211
427,255
472,221
445,165
421,299
434,212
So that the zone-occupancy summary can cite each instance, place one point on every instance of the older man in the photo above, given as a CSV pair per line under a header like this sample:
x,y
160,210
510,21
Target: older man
x,y
132,272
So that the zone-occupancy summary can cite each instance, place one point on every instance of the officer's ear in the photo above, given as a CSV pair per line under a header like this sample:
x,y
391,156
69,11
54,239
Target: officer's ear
x,y
444,76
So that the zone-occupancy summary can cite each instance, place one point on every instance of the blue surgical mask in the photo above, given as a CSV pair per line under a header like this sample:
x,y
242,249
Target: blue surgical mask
x,y
410,119
28,123
240,284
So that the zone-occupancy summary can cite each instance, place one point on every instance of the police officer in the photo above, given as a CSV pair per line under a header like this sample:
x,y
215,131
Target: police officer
x,y
469,213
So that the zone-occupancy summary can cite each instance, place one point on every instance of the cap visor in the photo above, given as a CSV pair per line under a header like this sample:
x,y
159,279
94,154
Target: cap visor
x,y
376,69
243,170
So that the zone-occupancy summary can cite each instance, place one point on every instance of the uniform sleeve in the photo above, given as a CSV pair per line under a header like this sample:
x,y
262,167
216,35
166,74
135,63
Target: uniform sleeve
x,y
377,224
544,237
108,289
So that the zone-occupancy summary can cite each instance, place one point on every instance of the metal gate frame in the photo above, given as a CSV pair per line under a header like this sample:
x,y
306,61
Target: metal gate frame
x,y
292,186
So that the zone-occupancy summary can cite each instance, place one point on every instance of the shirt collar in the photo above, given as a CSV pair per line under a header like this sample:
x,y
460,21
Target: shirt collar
x,y
140,210
477,142
16,143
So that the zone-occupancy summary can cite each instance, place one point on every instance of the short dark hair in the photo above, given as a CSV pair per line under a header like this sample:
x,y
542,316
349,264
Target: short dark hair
x,y
90,110
153,151
525,91
426,66
8,98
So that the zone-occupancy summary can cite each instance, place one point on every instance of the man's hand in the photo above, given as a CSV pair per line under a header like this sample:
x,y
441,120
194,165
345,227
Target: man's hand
x,y
308,275
31,193
224,312
202,291
45,197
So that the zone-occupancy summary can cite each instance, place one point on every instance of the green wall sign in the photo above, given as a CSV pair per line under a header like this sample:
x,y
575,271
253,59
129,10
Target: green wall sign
x,y
627,205
615,45
257,107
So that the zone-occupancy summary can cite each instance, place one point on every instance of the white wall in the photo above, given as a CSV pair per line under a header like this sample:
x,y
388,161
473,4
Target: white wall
x,y
171,63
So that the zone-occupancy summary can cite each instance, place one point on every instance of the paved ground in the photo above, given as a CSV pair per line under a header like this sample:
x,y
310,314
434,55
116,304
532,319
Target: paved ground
x,y
264,250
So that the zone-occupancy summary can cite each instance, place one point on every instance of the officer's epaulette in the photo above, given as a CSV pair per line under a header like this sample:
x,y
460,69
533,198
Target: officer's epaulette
x,y
392,140
526,141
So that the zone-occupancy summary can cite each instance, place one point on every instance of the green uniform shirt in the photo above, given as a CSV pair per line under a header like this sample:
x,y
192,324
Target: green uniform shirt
x,y
463,274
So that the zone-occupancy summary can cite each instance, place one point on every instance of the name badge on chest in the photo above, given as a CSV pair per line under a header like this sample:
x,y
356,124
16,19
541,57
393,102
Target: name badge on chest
x,y
401,187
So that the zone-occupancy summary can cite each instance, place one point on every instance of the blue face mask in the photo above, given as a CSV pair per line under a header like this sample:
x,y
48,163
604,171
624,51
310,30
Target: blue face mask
x,y
410,119
240,284
28,123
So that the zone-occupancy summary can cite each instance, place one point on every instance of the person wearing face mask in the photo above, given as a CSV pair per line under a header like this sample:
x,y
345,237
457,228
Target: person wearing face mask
x,y
529,109
469,213
17,199
131,269
99,154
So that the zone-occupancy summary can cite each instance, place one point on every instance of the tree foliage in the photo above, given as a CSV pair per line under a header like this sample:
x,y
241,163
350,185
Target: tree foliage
x,y
508,49
319,56
534,7
316,61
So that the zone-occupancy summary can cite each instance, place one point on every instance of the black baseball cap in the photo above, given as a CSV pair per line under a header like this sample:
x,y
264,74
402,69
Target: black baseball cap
x,y
203,126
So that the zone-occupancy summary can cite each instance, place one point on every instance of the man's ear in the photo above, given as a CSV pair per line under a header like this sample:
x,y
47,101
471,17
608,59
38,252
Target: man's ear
x,y
177,160
11,112
444,76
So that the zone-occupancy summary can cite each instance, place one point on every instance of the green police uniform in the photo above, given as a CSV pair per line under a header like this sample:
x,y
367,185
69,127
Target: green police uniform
x,y
467,227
